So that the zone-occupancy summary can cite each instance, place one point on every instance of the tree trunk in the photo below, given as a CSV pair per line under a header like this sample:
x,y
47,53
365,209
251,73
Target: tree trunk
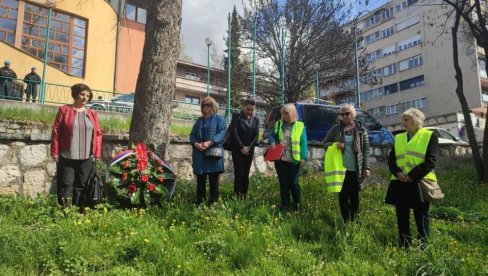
x,y
485,132
157,75
478,162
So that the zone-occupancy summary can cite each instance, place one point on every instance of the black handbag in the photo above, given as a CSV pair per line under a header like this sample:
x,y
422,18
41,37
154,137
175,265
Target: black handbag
x,y
95,186
227,145
214,153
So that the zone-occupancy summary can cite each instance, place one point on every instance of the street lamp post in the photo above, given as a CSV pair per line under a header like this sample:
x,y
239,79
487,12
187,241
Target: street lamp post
x,y
282,69
209,43
229,64
356,61
316,66
254,58
50,4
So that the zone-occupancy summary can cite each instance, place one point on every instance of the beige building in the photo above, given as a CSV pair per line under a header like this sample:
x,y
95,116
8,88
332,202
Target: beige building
x,y
410,49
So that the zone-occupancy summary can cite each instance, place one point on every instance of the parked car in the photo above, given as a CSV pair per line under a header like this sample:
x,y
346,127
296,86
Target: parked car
x,y
319,118
445,137
119,103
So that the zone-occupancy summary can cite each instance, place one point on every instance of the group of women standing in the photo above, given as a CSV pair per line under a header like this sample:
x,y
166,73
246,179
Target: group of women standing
x,y
412,158
77,140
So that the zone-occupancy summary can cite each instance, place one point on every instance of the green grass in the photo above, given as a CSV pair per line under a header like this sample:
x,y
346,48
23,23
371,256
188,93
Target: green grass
x,y
183,130
250,237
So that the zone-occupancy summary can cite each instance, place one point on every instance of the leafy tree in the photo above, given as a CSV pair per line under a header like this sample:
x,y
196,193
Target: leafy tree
x,y
317,32
239,66
157,75
474,13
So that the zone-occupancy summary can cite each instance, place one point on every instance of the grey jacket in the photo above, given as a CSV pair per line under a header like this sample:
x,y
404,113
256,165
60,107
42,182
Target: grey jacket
x,y
336,134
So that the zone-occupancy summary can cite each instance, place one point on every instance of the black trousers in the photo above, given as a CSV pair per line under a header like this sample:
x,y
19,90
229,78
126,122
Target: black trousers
x,y
6,89
31,91
242,166
214,187
349,197
421,214
72,179
288,176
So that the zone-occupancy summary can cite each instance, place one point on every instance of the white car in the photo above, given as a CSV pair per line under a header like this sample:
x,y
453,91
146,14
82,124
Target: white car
x,y
445,137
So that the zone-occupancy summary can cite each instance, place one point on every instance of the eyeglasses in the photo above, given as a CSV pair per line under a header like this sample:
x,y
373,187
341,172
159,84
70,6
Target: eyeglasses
x,y
345,114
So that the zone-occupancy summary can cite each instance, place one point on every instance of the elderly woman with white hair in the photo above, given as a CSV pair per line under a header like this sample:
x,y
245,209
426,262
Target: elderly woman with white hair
x,y
351,138
412,158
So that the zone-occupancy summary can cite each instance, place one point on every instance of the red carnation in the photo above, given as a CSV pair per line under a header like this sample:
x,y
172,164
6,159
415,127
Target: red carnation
x,y
126,164
132,188
141,152
161,179
144,178
151,187
124,176
141,165
160,169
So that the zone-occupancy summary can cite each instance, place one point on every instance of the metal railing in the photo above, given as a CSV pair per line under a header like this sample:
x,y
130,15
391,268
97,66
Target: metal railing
x,y
57,94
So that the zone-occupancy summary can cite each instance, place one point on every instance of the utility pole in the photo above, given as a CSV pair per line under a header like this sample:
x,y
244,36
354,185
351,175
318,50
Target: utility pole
x,y
229,64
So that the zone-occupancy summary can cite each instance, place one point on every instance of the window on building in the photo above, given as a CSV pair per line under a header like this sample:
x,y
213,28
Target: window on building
x,y
373,37
412,83
405,4
67,38
405,44
416,103
373,20
389,70
387,32
192,99
371,94
374,55
389,50
407,23
192,76
377,112
135,13
410,63
387,13
8,20
390,89
391,109
481,64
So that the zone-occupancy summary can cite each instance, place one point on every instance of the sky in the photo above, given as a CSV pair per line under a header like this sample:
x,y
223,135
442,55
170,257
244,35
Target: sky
x,y
208,18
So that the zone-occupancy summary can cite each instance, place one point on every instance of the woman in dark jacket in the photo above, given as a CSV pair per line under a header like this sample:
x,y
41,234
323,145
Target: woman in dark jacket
x,y
76,139
406,170
244,136
352,140
208,132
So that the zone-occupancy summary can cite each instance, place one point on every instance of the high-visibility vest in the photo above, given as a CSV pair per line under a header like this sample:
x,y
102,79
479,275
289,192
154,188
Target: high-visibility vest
x,y
334,169
409,154
296,134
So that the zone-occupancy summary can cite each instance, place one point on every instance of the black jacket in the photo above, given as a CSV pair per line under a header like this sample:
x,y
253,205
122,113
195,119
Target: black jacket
x,y
244,132
407,193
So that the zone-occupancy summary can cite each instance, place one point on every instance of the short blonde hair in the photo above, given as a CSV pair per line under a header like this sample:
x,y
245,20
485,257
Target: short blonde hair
x,y
209,100
350,108
291,111
416,115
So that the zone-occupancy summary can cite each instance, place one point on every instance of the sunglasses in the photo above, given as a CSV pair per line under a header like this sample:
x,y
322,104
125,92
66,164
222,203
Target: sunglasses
x,y
345,114
206,105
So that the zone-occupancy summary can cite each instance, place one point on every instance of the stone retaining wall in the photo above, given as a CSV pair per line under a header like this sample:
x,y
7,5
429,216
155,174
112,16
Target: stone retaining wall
x,y
26,167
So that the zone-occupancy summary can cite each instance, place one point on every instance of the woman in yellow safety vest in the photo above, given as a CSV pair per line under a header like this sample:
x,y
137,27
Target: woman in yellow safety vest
x,y
412,158
292,135
351,139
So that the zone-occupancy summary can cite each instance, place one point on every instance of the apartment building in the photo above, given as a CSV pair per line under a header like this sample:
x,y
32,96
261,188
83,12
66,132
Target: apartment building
x,y
409,45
